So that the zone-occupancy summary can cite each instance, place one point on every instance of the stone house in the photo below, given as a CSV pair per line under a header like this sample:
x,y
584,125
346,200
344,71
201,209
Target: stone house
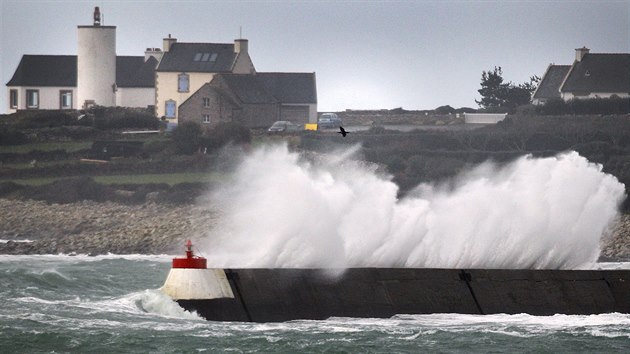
x,y
255,101
592,75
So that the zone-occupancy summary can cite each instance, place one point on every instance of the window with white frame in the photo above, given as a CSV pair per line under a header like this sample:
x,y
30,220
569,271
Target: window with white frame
x,y
183,84
206,118
32,98
170,109
65,99
206,102
13,98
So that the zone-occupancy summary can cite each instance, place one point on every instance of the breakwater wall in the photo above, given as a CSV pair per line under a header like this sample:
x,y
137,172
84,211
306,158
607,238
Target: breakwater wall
x,y
268,295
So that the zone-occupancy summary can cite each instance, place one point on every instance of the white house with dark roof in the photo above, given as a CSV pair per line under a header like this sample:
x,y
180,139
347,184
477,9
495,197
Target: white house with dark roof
x,y
592,75
96,76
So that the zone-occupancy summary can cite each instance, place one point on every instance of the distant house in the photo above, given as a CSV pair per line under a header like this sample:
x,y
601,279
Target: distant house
x,y
50,82
591,75
95,76
164,79
253,100
185,67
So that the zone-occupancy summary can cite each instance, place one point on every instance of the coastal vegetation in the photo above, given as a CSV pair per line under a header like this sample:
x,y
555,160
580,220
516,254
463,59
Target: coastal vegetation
x,y
440,147
54,165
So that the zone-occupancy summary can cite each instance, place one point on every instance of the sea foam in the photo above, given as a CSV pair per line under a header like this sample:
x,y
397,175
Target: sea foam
x,y
279,210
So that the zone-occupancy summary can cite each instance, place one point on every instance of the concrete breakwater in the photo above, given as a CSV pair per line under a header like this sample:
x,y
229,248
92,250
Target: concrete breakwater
x,y
151,228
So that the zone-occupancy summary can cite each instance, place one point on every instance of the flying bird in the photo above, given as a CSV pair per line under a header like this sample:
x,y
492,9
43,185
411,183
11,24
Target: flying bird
x,y
342,131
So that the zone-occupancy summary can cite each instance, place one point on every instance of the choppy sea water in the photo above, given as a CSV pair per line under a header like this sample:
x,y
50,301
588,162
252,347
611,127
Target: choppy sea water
x,y
111,304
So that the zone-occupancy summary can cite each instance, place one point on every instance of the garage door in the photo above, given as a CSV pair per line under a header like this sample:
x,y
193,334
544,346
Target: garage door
x,y
295,114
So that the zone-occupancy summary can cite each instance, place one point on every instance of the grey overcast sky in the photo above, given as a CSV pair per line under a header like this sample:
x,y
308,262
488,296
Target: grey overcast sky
x,y
366,54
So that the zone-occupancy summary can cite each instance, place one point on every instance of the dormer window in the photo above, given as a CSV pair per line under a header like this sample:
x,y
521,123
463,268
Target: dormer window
x,y
205,57
587,73
183,84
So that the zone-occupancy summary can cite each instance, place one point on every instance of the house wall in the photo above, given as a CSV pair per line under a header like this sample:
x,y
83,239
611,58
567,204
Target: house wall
x,y
258,115
223,109
483,118
166,89
243,64
312,113
135,97
49,97
569,95
299,114
193,109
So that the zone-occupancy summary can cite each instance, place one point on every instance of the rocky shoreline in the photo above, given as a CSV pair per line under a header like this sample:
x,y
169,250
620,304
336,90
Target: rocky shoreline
x,y
35,227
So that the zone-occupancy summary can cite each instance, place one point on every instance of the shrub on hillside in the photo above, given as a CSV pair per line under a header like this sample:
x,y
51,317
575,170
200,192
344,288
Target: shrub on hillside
x,y
226,133
154,147
65,132
71,190
9,188
606,106
9,136
187,137
45,119
123,118
182,193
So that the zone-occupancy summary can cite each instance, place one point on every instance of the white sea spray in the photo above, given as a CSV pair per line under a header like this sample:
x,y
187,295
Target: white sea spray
x,y
282,211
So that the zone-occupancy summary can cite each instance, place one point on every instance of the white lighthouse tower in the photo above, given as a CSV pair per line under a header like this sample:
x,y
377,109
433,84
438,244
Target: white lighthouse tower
x,y
96,64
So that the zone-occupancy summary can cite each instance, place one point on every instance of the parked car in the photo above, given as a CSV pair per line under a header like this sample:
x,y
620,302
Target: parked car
x,y
284,126
328,120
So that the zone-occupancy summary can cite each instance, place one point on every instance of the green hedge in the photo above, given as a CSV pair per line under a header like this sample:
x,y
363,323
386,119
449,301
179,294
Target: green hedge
x,y
613,105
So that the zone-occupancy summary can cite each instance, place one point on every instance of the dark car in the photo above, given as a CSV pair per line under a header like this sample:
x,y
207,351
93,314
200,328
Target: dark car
x,y
284,126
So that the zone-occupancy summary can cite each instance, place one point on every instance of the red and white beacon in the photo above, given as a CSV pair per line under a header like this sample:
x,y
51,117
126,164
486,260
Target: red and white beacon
x,y
190,279
190,261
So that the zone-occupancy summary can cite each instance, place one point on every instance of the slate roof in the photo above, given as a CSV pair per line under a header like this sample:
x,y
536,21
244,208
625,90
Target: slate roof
x,y
286,88
549,86
607,73
135,72
61,70
248,88
183,57
291,87
46,70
